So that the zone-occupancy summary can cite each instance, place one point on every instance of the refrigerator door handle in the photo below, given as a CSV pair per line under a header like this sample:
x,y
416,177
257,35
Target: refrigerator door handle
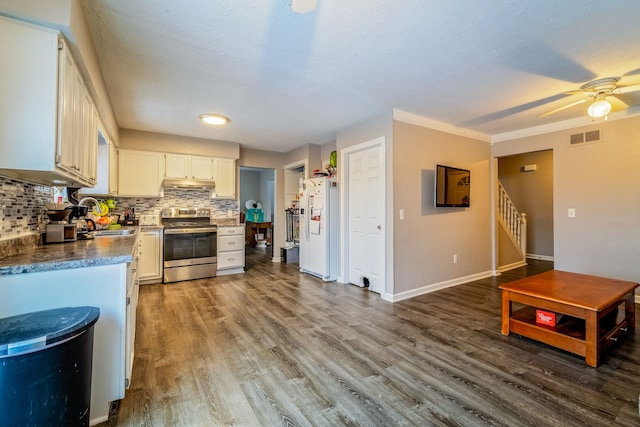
x,y
307,217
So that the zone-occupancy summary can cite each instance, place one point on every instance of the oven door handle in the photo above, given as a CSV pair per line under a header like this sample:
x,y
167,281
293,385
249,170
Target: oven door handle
x,y
190,230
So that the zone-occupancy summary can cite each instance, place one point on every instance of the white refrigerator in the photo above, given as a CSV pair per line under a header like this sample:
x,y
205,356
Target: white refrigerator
x,y
319,228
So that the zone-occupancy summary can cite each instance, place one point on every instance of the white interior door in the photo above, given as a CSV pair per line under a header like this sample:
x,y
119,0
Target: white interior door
x,y
366,202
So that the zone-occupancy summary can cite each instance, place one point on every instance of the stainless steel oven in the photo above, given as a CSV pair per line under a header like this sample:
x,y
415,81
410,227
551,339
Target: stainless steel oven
x,y
190,245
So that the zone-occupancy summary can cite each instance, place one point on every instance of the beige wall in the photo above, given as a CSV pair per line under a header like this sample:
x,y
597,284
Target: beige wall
x,y
426,240
601,182
532,194
326,149
149,141
310,152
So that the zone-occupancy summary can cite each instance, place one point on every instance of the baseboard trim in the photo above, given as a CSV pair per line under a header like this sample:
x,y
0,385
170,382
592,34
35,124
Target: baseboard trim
x,y
436,286
512,266
541,257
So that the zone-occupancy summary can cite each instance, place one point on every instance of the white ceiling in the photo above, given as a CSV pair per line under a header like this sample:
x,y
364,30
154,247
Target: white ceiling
x,y
286,79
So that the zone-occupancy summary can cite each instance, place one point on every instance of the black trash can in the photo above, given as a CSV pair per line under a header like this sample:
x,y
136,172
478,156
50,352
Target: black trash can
x,y
45,367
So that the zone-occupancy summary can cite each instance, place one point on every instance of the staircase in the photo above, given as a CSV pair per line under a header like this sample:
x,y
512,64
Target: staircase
x,y
514,225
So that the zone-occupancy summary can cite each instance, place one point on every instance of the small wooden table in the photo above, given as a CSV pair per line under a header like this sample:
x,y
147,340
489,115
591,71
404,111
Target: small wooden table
x,y
254,228
590,321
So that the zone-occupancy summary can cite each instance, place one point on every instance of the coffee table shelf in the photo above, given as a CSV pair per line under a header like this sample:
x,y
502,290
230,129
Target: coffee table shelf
x,y
571,330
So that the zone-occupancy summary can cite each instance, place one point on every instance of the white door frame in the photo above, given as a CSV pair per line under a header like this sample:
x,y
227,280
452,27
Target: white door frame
x,y
343,173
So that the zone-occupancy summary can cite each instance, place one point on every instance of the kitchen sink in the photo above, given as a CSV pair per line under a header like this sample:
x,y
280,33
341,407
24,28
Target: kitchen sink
x,y
117,232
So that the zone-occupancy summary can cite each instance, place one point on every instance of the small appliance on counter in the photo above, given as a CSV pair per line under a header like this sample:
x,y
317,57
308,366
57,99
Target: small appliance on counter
x,y
58,230
84,225
129,216
149,220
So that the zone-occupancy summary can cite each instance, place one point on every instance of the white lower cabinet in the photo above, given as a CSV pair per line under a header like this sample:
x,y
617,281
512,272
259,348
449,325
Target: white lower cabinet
x,y
133,283
150,265
230,250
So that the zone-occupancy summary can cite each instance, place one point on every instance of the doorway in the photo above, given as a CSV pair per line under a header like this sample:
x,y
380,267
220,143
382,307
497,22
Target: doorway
x,y
257,192
364,222
528,180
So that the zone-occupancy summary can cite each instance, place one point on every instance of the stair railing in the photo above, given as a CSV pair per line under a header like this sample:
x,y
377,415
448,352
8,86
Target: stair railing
x,y
514,222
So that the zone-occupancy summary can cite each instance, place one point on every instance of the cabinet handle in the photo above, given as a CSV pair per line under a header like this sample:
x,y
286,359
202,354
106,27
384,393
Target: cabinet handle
x,y
232,259
232,243
614,339
623,329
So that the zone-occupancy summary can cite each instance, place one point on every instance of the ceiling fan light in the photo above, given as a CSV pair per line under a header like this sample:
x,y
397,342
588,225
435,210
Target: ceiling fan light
x,y
599,109
214,119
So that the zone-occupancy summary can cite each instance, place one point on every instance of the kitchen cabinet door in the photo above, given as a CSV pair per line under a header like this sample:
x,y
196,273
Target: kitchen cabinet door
x,y
176,166
70,96
107,170
202,168
88,144
140,173
225,177
113,168
150,264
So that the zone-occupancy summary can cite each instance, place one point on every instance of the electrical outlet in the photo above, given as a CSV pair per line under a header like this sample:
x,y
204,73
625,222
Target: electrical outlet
x,y
455,258
571,213
401,213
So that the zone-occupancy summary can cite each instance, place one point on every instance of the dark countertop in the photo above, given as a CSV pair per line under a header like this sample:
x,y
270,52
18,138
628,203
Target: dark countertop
x,y
103,250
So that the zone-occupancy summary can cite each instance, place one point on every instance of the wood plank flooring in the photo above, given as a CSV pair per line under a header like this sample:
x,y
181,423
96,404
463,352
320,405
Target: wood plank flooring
x,y
274,347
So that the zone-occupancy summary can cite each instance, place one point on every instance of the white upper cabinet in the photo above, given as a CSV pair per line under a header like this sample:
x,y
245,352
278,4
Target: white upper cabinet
x,y
202,168
107,167
176,166
140,173
184,166
225,178
113,169
46,111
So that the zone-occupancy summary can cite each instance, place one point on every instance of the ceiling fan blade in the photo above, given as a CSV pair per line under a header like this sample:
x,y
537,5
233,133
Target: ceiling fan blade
x,y
626,89
616,103
564,107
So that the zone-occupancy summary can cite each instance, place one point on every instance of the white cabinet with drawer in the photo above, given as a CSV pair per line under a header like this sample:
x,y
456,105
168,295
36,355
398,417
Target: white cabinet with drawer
x,y
230,250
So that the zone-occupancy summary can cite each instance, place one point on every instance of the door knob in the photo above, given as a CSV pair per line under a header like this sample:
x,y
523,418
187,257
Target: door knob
x,y
379,227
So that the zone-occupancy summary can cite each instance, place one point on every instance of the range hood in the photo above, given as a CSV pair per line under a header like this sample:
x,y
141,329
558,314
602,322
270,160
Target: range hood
x,y
188,183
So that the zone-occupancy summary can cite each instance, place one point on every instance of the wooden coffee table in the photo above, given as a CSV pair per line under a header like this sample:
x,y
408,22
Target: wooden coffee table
x,y
590,320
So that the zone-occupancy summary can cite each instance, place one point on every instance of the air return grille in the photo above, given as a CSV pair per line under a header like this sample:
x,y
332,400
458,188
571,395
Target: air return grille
x,y
585,137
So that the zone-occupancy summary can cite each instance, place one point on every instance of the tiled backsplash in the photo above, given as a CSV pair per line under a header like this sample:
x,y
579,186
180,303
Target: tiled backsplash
x,y
180,198
21,205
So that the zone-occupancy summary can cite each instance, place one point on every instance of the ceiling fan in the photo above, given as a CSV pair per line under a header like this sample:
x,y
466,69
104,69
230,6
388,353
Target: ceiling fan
x,y
601,93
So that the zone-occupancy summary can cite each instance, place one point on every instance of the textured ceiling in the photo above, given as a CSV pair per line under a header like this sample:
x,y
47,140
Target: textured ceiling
x,y
286,79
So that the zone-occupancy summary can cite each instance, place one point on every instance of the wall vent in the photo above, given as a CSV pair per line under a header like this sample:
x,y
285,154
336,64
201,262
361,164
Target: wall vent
x,y
584,137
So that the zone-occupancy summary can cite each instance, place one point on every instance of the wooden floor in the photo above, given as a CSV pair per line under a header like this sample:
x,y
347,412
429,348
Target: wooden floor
x,y
274,347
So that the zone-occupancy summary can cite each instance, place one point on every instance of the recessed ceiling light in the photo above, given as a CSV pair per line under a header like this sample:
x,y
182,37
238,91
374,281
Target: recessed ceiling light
x,y
214,119
303,6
